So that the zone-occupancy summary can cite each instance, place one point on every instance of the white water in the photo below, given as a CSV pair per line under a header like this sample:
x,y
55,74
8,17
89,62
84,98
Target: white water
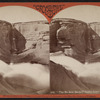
x,y
33,76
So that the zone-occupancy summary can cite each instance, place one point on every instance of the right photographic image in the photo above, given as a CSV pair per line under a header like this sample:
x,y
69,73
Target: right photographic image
x,y
75,51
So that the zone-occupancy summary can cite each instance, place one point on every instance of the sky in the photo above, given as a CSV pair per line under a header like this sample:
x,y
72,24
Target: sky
x,y
86,13
15,14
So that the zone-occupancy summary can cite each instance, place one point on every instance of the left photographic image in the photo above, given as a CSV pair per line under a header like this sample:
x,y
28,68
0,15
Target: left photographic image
x,y
24,51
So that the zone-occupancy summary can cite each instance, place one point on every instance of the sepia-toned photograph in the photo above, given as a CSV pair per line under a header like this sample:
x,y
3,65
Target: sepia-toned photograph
x,y
24,51
75,51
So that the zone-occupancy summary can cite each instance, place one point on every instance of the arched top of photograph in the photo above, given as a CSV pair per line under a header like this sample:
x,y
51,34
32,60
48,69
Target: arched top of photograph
x,y
17,14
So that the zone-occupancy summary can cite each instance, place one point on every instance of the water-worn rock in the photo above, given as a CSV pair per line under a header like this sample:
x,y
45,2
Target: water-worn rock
x,y
36,34
75,35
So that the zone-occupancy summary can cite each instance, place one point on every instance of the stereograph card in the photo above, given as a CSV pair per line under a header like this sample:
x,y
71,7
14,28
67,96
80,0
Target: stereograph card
x,y
49,49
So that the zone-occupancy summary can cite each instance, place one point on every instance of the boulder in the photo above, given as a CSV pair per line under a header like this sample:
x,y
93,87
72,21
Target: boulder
x,y
5,46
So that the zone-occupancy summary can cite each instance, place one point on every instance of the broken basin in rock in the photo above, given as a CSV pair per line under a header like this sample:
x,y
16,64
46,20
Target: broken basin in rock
x,y
36,34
